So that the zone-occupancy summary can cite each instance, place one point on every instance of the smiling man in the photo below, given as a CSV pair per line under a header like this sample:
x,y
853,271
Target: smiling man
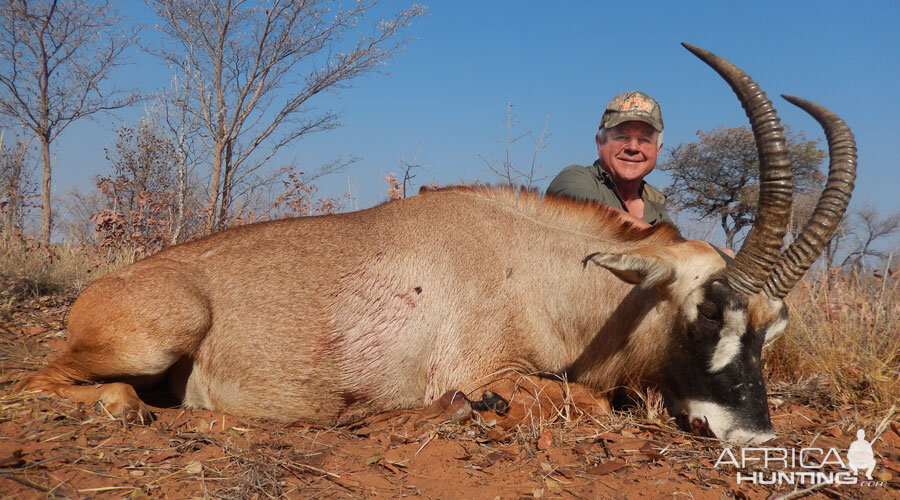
x,y
628,143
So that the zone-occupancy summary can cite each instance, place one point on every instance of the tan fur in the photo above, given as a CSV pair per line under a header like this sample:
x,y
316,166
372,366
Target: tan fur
x,y
328,319
763,311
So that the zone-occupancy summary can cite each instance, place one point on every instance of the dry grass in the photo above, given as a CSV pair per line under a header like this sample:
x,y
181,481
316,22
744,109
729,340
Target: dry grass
x,y
844,339
28,271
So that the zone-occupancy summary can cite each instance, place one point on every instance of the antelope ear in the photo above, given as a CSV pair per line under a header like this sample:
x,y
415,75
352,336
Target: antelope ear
x,y
643,269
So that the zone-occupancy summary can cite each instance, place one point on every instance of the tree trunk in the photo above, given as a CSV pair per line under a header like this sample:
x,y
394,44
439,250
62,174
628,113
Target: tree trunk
x,y
730,232
47,219
227,179
214,187
180,194
13,216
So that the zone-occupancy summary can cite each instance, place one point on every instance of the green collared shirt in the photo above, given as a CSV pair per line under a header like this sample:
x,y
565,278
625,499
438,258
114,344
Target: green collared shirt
x,y
594,184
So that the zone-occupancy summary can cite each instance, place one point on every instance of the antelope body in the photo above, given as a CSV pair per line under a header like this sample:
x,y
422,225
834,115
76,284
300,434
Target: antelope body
x,y
328,319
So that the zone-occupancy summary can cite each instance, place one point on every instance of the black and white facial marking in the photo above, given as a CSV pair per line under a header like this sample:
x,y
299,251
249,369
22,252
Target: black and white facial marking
x,y
774,329
714,369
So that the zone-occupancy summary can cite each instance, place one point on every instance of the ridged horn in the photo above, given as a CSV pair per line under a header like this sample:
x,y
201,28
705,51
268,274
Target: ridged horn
x,y
748,271
830,207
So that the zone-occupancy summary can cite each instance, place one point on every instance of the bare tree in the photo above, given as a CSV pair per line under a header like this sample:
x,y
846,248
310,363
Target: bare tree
x,y
504,167
15,185
837,242
718,176
254,68
870,228
185,129
55,56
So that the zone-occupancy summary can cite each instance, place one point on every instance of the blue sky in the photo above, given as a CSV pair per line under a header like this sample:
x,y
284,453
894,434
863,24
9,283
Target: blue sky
x,y
443,102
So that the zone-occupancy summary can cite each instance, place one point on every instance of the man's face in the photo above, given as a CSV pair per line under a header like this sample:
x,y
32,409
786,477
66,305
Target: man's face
x,y
629,152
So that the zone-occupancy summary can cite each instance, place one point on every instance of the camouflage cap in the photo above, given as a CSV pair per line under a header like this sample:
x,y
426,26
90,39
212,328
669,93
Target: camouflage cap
x,y
632,106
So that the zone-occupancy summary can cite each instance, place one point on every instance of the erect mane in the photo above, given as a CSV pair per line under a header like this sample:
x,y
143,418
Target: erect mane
x,y
592,218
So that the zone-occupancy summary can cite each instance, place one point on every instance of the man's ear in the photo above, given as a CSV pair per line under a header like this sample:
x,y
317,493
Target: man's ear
x,y
637,268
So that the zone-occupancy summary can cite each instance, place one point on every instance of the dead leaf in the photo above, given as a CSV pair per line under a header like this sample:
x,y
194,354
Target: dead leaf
x,y
701,428
689,475
716,481
637,457
738,493
451,406
835,432
396,440
552,485
13,460
890,464
611,436
884,476
373,460
139,494
537,492
647,449
496,456
545,441
627,445
493,435
389,466
606,468
581,449
202,426
194,467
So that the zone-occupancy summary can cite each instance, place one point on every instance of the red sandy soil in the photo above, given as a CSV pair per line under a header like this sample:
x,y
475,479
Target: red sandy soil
x,y
51,447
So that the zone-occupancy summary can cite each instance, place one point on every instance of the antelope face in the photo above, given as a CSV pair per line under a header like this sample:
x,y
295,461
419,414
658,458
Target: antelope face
x,y
711,361
714,368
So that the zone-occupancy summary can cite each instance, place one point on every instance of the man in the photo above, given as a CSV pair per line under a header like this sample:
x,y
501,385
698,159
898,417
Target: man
x,y
628,143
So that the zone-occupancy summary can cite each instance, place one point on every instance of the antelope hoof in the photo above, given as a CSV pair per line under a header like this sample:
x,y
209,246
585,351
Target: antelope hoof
x,y
121,401
491,401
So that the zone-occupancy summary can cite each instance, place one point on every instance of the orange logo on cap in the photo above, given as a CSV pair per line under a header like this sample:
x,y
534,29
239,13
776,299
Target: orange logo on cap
x,y
636,102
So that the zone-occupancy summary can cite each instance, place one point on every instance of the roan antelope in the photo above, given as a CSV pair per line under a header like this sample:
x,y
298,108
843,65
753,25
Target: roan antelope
x,y
328,319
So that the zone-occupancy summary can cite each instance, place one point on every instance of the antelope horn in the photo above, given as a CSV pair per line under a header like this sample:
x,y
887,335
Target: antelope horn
x,y
830,207
749,269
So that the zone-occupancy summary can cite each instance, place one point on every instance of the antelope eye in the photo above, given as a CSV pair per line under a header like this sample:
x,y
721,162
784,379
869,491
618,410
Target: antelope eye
x,y
709,311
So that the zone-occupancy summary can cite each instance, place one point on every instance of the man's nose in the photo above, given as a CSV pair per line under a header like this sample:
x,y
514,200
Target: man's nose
x,y
632,145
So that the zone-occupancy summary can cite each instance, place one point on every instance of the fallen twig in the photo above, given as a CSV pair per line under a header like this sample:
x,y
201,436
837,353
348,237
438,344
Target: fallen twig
x,y
803,492
26,482
335,478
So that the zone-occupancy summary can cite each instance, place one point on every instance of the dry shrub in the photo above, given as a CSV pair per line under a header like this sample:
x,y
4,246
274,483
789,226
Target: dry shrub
x,y
844,331
300,198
